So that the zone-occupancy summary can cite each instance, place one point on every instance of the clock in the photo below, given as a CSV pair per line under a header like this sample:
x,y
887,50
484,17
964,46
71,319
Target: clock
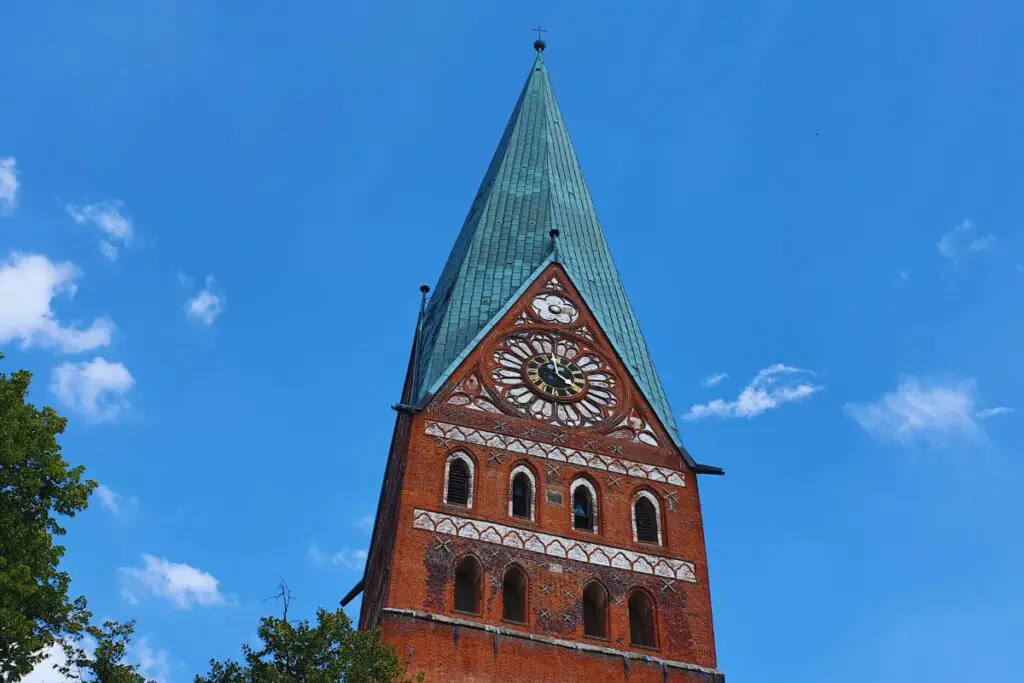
x,y
554,378
557,377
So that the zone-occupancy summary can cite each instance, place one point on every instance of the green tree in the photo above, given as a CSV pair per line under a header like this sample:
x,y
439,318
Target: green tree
x,y
326,652
36,486
104,663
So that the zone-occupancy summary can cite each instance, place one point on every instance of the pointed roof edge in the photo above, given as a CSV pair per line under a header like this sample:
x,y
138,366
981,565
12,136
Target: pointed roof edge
x,y
475,342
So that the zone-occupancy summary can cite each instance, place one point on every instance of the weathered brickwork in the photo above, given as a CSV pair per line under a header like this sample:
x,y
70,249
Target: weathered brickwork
x,y
446,652
413,557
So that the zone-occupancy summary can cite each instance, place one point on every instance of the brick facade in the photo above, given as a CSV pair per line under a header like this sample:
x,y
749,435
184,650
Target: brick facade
x,y
419,538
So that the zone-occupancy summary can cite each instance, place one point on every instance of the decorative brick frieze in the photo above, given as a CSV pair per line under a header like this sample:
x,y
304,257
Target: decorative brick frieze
x,y
555,546
517,444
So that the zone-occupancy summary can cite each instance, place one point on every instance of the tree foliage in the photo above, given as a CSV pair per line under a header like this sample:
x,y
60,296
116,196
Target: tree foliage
x,y
325,652
36,486
104,664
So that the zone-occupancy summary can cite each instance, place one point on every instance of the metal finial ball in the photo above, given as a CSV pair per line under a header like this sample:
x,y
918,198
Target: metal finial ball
x,y
554,233
539,45
424,289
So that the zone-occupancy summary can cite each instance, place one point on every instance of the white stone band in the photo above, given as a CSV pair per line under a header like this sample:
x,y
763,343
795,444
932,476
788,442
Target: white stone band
x,y
555,546
516,444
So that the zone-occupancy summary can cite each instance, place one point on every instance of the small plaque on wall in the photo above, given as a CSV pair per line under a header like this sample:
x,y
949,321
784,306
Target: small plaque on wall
x,y
554,497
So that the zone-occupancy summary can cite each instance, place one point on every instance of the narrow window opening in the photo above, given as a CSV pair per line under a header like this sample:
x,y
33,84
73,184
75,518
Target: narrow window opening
x,y
583,509
467,586
646,515
595,611
458,482
521,495
513,595
641,620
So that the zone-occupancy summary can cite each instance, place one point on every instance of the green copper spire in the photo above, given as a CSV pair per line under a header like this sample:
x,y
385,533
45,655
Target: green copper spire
x,y
533,185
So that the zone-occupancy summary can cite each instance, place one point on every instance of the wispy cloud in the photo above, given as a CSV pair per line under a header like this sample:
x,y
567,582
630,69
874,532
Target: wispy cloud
x,y
8,184
96,389
918,409
346,557
963,240
206,305
110,218
772,387
903,275
28,285
714,379
154,664
365,523
350,559
115,502
182,584
993,412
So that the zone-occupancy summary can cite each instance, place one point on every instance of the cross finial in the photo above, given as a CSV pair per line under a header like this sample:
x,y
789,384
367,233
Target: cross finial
x,y
539,44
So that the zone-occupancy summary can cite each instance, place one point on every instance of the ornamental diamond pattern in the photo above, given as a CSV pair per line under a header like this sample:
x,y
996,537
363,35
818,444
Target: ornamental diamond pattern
x,y
555,546
517,444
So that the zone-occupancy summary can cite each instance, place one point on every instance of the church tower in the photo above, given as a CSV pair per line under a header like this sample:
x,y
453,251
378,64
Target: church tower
x,y
539,518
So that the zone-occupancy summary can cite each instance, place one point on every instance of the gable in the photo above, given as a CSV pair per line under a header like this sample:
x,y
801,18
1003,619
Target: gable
x,y
550,317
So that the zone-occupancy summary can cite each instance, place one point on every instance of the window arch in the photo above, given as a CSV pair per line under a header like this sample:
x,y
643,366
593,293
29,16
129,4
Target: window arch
x,y
522,498
641,619
595,610
468,583
513,595
584,505
646,518
458,479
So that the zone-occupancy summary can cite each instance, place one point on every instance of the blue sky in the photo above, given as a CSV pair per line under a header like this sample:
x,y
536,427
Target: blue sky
x,y
215,218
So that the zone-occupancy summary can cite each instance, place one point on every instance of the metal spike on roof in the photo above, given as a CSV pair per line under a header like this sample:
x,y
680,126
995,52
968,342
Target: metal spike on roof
x,y
533,185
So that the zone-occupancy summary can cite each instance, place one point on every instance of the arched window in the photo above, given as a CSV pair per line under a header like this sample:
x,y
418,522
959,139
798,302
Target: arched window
x,y
513,595
595,610
646,518
458,480
641,620
522,485
584,505
468,581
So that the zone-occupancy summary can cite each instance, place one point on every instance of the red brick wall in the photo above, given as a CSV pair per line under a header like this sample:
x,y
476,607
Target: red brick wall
x,y
419,572
477,656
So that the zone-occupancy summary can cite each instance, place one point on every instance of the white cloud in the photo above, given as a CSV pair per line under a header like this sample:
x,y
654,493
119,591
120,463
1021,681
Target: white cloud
x,y
714,379
962,240
346,557
180,583
93,388
153,664
28,285
992,412
918,409
365,523
350,559
772,387
206,305
115,502
8,184
108,217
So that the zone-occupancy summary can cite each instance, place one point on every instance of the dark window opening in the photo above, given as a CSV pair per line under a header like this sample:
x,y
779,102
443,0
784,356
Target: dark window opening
x,y
468,577
595,611
646,521
513,595
583,509
521,495
641,620
458,482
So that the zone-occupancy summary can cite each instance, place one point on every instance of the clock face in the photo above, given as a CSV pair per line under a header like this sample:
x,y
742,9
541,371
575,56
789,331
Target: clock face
x,y
553,378
557,377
